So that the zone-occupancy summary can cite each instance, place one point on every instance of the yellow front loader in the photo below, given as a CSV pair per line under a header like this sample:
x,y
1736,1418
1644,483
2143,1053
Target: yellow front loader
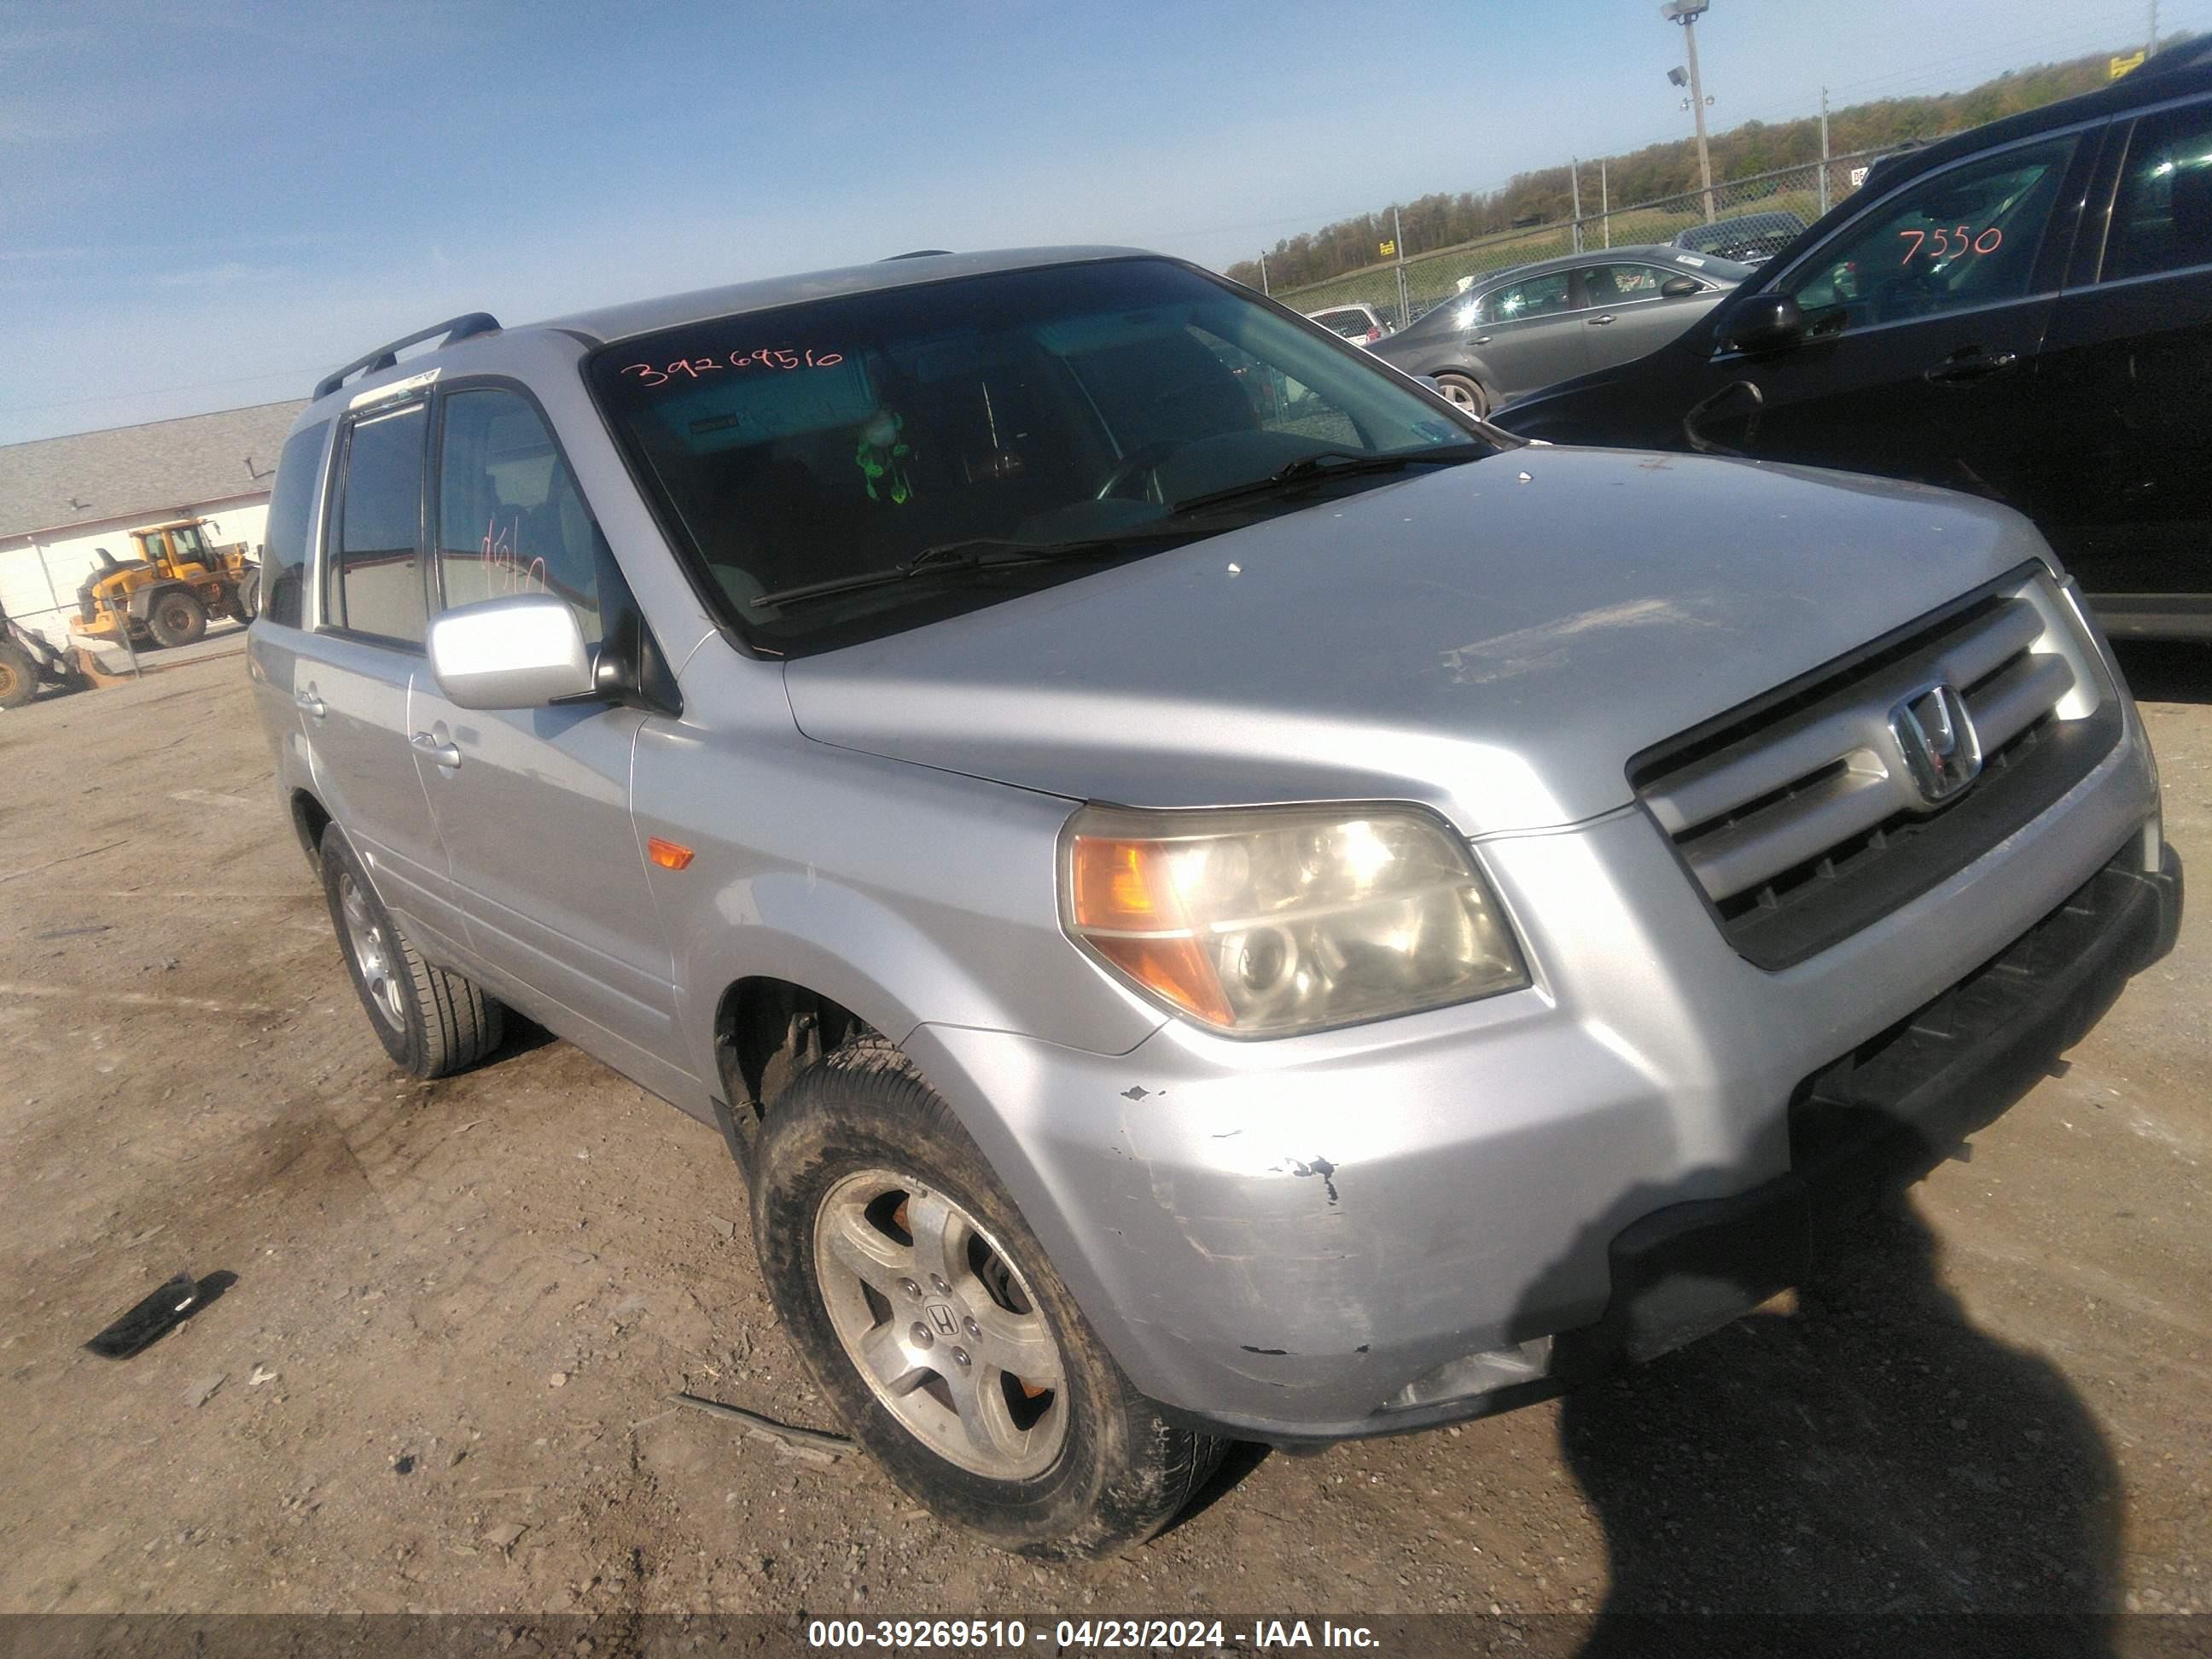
x,y
164,594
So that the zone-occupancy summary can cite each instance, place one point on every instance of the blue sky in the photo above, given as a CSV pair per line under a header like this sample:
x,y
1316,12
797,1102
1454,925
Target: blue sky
x,y
207,204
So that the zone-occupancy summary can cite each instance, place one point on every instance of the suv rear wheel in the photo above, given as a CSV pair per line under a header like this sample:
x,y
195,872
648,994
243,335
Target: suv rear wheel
x,y
430,1020
929,1313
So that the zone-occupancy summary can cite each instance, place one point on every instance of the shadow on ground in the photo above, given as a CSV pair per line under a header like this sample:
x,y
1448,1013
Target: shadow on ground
x,y
1868,1452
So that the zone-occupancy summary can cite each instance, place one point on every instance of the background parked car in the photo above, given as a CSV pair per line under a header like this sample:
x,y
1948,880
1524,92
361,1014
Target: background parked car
x,y
1525,328
1361,324
2023,311
1749,239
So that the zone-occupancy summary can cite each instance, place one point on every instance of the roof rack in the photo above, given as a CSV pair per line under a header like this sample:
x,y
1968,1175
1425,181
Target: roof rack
x,y
465,327
918,254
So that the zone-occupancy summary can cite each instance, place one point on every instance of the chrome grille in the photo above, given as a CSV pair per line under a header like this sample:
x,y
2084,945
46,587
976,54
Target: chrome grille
x,y
1810,786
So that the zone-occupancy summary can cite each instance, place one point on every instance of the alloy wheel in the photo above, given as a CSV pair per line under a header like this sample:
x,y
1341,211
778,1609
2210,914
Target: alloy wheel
x,y
940,1325
372,953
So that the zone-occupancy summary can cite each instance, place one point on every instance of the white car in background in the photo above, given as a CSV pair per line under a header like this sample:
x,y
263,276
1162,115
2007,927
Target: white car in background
x,y
1361,324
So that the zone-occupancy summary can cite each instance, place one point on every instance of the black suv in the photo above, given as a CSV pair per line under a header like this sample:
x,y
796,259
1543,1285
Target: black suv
x,y
2023,311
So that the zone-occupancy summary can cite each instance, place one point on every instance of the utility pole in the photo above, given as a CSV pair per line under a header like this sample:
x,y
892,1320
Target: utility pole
x,y
1824,151
1604,202
1398,242
2153,51
1575,183
1687,13
1264,289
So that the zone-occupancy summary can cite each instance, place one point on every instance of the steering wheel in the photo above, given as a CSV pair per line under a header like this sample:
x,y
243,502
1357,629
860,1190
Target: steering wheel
x,y
1143,460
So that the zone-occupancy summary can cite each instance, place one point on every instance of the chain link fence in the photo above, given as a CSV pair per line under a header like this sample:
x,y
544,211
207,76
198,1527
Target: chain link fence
x,y
1758,214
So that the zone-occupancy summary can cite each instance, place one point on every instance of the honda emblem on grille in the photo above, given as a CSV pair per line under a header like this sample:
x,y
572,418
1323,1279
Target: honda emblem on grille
x,y
1935,735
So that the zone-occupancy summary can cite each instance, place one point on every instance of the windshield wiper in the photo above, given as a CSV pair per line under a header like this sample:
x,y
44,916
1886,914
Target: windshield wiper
x,y
969,553
1333,463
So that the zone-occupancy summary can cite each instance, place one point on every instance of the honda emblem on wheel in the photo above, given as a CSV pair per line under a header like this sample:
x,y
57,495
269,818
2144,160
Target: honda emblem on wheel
x,y
1936,736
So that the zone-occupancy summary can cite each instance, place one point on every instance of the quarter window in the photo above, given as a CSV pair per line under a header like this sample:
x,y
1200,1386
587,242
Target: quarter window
x,y
1540,297
511,519
377,582
2163,219
285,539
1968,236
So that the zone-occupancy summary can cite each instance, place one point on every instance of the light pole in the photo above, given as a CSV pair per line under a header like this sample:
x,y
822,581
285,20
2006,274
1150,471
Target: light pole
x,y
1687,13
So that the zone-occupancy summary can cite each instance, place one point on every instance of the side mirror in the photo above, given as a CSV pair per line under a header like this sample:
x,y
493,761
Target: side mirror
x,y
1766,322
1678,288
518,652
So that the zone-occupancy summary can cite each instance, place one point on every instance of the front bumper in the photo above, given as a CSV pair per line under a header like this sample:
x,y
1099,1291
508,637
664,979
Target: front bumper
x,y
1879,1118
1435,1216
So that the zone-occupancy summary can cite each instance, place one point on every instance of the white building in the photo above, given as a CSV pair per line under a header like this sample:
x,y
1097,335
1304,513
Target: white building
x,y
62,499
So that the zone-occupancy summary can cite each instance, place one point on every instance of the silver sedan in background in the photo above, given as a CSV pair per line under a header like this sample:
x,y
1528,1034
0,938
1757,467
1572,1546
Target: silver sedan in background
x,y
1517,330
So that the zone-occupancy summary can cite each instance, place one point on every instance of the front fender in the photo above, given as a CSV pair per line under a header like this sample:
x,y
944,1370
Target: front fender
x,y
906,894
837,943
1473,366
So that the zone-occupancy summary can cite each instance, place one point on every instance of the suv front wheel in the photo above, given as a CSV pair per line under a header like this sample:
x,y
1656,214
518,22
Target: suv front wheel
x,y
929,1313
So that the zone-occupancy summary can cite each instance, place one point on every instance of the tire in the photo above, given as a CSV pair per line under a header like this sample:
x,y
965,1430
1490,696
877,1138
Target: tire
x,y
858,1147
176,618
431,1021
19,676
245,601
1465,394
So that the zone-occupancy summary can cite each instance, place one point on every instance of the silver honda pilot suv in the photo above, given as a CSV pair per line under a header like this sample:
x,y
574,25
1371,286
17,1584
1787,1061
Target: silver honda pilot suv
x,y
1210,894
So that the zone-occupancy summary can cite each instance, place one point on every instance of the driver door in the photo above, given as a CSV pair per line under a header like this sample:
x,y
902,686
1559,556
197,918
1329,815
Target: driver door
x,y
532,805
1923,318
1530,334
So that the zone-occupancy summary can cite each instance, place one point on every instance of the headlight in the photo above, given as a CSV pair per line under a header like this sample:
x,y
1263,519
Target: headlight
x,y
1285,919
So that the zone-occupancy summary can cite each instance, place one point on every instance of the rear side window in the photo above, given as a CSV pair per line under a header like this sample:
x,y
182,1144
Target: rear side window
x,y
510,517
2163,219
1605,285
285,540
376,577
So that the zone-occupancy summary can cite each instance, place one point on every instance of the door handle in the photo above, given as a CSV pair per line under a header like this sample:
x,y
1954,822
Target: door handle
x,y
1482,339
448,755
1970,364
1599,322
308,701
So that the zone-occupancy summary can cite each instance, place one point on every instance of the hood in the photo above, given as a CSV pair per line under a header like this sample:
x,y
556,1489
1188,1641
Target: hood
x,y
1495,640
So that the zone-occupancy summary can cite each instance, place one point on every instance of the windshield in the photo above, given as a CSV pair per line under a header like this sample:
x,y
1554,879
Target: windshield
x,y
849,436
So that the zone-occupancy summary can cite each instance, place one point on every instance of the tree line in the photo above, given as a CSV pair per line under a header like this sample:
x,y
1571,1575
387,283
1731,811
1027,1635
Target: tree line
x,y
1657,171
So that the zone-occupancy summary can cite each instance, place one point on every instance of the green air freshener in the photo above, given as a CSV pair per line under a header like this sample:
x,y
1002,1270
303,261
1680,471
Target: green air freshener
x,y
882,458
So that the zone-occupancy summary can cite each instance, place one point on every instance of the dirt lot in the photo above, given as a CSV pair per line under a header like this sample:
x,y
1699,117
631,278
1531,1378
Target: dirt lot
x,y
440,1380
